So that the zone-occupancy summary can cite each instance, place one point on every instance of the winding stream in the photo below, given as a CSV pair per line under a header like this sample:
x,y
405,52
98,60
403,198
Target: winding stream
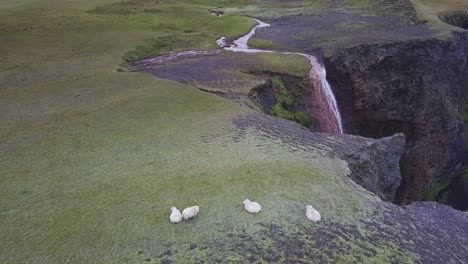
x,y
323,97
330,118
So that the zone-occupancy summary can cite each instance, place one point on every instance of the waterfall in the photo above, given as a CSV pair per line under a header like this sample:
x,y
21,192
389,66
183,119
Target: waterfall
x,y
330,119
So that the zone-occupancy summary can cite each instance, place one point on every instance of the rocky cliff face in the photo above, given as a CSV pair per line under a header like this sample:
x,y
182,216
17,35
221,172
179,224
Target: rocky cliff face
x,y
375,165
415,87
458,18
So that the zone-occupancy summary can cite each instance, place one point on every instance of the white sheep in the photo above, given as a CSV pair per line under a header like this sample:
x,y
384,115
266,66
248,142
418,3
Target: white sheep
x,y
312,214
190,212
176,216
252,207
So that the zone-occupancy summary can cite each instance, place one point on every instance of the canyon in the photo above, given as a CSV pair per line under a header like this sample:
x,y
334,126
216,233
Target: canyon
x,y
384,89
429,78
114,111
414,84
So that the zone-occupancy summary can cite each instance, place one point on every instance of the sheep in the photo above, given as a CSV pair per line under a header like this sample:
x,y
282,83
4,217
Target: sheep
x,y
312,214
176,216
190,212
252,207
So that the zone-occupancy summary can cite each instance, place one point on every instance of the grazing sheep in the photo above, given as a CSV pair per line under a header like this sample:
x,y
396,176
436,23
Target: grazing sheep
x,y
176,216
252,207
190,212
312,214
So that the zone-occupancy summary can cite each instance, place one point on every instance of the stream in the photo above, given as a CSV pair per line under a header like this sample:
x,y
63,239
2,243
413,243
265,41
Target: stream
x,y
323,97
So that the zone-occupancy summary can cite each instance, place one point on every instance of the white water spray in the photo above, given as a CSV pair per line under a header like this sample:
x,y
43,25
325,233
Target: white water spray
x,y
317,76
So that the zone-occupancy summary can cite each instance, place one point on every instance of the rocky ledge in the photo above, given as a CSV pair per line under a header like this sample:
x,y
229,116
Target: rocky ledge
x,y
386,234
373,163
405,117
391,73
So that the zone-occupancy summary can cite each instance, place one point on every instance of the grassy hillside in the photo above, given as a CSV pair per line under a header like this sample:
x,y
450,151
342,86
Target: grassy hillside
x,y
429,10
92,158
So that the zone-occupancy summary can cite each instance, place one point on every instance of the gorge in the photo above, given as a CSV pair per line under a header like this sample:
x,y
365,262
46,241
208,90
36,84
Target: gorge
x,y
114,111
329,116
427,109
370,81
385,86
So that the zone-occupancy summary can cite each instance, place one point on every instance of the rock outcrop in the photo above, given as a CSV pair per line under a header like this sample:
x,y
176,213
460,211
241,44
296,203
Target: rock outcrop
x,y
415,87
375,165
458,18
452,191
457,193
391,73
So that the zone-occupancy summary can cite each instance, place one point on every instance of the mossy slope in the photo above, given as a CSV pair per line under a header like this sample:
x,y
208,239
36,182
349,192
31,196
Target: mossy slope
x,y
92,159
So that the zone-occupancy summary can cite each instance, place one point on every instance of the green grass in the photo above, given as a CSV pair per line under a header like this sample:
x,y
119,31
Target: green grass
x,y
99,184
263,44
252,70
302,118
284,107
436,189
294,65
271,10
356,3
285,100
279,111
102,28
429,11
93,158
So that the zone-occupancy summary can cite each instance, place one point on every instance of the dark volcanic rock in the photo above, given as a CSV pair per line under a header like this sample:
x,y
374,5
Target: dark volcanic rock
x,y
458,19
424,227
332,30
265,95
375,166
455,193
458,193
415,87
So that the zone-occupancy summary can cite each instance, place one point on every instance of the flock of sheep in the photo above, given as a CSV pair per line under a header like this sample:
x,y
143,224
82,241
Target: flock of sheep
x,y
251,207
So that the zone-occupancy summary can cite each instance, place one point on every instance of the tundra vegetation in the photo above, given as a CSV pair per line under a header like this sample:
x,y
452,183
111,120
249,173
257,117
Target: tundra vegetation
x,y
93,157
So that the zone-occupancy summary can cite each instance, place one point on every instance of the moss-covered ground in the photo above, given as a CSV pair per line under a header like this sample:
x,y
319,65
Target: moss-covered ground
x,y
429,11
92,159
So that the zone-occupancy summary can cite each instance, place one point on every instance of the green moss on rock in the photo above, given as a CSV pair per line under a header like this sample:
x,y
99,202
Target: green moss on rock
x,y
438,191
285,103
284,107
280,112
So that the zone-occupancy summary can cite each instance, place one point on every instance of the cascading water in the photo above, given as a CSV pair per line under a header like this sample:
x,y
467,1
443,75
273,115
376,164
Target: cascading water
x,y
330,118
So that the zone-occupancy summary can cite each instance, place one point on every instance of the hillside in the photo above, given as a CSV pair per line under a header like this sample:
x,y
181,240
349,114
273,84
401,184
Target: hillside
x,y
95,152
